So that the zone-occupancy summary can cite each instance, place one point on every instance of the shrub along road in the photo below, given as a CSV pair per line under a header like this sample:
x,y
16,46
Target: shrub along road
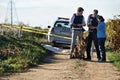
x,y
60,67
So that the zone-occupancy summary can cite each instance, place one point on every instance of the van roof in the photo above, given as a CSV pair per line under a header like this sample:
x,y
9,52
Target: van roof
x,y
63,18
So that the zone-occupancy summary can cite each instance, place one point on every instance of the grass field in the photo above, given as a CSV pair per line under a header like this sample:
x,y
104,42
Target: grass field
x,y
114,58
19,54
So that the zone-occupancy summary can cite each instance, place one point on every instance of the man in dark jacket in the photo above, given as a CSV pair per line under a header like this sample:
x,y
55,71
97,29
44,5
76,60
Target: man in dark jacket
x,y
92,36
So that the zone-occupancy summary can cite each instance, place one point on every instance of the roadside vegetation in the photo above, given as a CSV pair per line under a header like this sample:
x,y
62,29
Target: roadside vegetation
x,y
20,54
113,40
115,59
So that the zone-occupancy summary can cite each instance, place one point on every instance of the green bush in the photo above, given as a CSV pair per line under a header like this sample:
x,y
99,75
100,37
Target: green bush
x,y
115,59
113,32
17,67
19,54
1,70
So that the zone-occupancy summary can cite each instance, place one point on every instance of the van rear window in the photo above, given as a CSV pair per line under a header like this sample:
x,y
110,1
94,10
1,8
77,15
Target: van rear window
x,y
62,24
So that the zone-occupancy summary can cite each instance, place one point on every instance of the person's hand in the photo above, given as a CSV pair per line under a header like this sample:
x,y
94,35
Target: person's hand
x,y
80,25
89,24
97,28
92,27
83,24
74,25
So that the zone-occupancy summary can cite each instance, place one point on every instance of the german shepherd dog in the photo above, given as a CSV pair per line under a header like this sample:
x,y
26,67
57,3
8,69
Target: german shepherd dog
x,y
79,51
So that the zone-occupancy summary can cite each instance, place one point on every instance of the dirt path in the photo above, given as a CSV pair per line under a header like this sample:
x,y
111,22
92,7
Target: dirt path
x,y
60,67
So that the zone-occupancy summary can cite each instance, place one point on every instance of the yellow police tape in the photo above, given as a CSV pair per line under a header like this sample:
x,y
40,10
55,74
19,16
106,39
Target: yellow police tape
x,y
22,27
33,31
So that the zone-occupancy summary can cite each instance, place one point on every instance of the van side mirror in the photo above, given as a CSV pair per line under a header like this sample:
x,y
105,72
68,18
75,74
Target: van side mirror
x,y
49,26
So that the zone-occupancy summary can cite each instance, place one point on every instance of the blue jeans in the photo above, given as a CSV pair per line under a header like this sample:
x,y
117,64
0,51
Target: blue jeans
x,y
101,42
75,34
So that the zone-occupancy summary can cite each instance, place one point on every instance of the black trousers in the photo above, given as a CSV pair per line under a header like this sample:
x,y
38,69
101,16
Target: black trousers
x,y
92,36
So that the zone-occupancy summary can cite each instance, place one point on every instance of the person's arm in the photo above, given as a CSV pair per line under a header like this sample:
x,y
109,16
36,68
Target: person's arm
x,y
101,26
89,24
89,21
72,20
83,22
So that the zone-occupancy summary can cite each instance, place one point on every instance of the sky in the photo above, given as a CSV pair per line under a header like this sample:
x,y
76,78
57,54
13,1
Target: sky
x,y
45,12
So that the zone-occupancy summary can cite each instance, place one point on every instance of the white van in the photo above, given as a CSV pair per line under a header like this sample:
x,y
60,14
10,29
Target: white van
x,y
61,31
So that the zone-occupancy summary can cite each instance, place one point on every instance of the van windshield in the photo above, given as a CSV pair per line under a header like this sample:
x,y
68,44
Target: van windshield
x,y
62,24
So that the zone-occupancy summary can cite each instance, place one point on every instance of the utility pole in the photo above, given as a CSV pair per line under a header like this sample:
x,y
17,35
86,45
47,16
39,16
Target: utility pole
x,y
11,13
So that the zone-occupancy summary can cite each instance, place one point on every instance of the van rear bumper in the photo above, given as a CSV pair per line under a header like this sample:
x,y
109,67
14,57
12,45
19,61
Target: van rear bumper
x,y
59,40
